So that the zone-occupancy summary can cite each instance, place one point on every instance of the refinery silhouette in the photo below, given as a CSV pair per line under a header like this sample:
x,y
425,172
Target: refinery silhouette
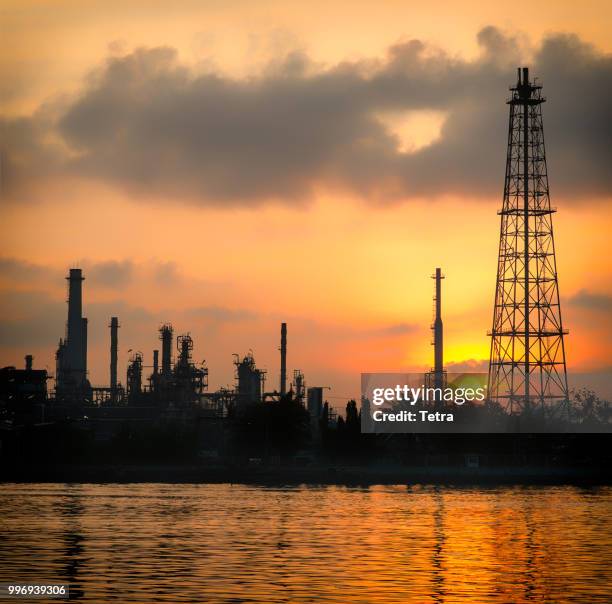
x,y
169,413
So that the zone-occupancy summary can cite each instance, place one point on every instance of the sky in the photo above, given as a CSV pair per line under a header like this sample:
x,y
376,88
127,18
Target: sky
x,y
225,166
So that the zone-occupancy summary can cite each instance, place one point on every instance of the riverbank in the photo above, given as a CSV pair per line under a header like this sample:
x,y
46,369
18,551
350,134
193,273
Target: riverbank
x,y
315,474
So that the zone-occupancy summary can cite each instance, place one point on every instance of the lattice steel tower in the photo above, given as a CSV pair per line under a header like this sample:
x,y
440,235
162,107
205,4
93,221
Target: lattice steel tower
x,y
527,363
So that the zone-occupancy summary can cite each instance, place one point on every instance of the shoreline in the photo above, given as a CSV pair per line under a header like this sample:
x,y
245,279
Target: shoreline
x,y
314,475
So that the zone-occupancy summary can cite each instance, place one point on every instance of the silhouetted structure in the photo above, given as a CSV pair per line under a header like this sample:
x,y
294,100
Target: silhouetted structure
x,y
315,401
114,330
250,380
134,378
71,354
299,386
23,389
527,361
283,364
436,378
438,370
165,335
189,381
155,363
314,405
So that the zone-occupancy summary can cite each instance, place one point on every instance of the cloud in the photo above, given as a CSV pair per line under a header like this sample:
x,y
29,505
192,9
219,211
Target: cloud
x,y
166,273
468,366
106,274
219,314
20,271
398,329
30,319
592,301
110,273
148,125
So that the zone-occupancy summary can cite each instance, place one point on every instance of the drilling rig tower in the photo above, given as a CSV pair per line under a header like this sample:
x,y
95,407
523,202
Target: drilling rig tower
x,y
527,368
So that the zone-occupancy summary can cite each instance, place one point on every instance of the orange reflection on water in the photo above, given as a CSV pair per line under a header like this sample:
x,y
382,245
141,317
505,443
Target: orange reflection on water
x,y
222,543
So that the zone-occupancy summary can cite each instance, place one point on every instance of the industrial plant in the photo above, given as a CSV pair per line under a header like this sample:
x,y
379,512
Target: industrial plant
x,y
169,393
164,398
176,387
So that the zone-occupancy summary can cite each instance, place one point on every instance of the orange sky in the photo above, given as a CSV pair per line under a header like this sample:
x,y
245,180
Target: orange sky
x,y
351,279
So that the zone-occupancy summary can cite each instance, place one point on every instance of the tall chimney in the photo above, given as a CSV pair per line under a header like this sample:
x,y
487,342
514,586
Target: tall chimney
x,y
165,336
114,340
155,362
76,331
83,362
438,333
28,362
283,351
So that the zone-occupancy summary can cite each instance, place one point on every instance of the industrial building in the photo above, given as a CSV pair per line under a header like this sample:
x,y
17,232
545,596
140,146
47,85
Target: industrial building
x,y
24,390
176,388
71,356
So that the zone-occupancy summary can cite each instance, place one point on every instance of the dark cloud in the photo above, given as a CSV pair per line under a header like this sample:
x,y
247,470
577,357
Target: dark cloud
x,y
147,124
20,271
101,274
592,301
36,318
111,273
30,319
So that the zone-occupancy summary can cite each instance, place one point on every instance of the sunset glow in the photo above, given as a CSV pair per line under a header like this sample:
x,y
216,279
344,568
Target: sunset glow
x,y
342,256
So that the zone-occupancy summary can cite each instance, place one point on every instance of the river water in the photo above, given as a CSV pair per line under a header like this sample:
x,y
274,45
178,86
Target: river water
x,y
237,543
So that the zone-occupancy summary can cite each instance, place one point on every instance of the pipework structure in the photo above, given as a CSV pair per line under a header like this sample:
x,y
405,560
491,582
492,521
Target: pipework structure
x,y
250,380
527,367
299,386
134,378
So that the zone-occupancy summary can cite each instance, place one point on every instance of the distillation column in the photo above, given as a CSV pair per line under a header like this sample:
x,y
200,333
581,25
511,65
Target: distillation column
x,y
283,351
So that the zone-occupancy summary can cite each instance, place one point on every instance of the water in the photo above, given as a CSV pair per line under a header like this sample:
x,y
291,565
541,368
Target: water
x,y
236,543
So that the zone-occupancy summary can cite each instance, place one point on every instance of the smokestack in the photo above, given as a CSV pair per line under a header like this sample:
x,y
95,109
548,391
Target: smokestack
x,y
438,333
283,351
28,362
155,362
83,361
114,338
76,332
165,336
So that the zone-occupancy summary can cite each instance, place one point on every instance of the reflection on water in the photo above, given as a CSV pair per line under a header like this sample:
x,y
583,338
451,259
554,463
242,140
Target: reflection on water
x,y
234,543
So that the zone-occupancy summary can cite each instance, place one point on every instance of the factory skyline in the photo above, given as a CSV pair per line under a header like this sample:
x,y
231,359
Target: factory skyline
x,y
332,223
70,379
136,334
